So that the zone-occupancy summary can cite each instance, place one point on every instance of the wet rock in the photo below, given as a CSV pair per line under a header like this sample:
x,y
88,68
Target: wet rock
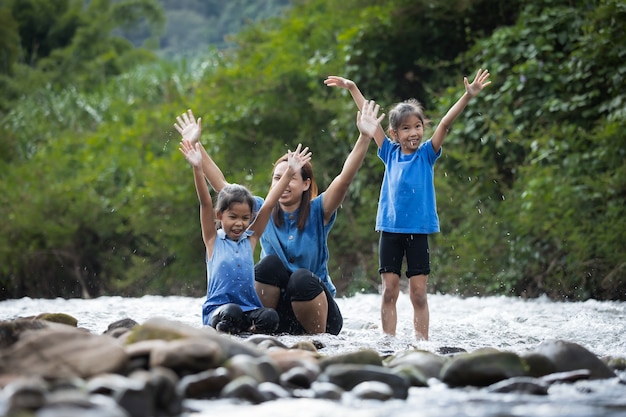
x,y
10,331
265,341
60,318
138,399
187,355
244,388
412,374
537,364
569,356
63,352
207,384
427,363
26,394
272,391
120,327
163,382
450,350
347,376
286,359
616,364
165,329
481,368
305,345
261,369
326,390
567,377
299,377
372,390
360,357
520,385
97,406
126,323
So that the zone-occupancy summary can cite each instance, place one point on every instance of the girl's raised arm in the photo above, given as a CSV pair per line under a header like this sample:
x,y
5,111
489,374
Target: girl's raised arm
x,y
190,130
359,100
471,90
193,154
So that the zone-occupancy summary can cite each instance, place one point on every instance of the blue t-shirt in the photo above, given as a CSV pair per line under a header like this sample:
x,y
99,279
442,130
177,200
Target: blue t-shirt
x,y
306,248
230,275
407,195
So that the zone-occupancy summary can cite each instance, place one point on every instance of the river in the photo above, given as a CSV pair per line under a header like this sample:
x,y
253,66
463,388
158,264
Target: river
x,y
504,323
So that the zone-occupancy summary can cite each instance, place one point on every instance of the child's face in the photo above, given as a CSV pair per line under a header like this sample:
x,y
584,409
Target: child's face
x,y
235,220
409,134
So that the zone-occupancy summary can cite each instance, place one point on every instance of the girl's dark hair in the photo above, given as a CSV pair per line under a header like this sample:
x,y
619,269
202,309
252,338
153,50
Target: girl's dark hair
x,y
234,193
401,111
305,202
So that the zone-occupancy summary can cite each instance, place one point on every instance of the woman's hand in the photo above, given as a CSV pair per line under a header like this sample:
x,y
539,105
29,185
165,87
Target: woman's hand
x,y
296,160
366,119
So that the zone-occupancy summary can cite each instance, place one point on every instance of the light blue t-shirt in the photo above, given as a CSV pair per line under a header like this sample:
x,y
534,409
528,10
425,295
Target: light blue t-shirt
x,y
230,275
306,248
407,195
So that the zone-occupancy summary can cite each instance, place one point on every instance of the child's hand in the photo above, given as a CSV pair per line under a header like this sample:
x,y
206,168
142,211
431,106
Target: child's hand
x,y
192,153
188,128
335,81
296,160
480,81
366,119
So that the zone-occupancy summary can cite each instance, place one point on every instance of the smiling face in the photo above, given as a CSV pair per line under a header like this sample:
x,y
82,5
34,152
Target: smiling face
x,y
409,133
235,219
292,196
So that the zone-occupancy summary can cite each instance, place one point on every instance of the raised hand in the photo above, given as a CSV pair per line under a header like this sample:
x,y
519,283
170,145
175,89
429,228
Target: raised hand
x,y
480,81
188,127
366,119
335,81
296,160
192,153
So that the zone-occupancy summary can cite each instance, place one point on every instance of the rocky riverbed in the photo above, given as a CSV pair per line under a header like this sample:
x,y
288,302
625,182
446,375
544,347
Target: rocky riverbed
x,y
50,367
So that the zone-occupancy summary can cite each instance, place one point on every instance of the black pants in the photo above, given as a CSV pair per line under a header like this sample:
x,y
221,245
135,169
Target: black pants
x,y
301,285
230,318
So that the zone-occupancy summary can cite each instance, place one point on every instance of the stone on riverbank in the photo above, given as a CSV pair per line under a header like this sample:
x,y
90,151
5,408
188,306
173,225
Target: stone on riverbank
x,y
153,368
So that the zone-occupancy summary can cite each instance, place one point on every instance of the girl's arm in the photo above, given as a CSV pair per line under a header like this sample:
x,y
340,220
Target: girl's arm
x,y
190,130
295,162
471,90
368,122
359,99
193,154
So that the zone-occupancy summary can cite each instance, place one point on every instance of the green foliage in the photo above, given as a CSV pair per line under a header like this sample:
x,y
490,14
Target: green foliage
x,y
530,188
68,43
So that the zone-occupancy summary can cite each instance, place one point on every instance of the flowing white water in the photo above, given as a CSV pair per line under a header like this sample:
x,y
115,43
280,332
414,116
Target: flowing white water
x,y
504,323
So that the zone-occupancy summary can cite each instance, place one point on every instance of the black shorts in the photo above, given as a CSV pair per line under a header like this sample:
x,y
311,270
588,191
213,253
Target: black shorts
x,y
394,247
301,285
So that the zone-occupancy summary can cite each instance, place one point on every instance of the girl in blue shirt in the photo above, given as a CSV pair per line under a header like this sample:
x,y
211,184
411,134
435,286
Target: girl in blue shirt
x,y
232,304
407,211
292,275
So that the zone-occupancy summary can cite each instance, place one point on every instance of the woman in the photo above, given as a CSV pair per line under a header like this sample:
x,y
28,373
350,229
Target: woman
x,y
292,276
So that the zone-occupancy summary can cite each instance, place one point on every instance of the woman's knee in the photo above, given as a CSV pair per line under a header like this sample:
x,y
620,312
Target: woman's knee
x,y
271,271
304,285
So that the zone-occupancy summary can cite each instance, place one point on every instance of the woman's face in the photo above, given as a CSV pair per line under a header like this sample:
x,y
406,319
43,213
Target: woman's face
x,y
291,197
